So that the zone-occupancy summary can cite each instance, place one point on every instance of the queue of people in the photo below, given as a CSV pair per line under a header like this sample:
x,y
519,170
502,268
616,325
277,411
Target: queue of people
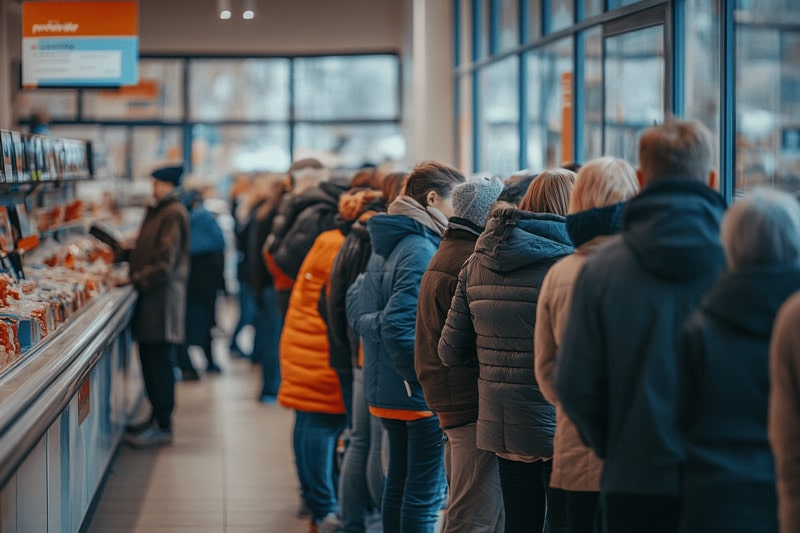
x,y
585,349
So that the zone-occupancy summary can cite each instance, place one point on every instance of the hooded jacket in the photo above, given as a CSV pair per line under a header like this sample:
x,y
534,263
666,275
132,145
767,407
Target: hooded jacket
x,y
724,396
617,371
159,269
382,308
575,467
451,392
491,321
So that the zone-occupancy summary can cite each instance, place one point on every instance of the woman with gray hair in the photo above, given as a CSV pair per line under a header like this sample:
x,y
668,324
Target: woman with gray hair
x,y
723,371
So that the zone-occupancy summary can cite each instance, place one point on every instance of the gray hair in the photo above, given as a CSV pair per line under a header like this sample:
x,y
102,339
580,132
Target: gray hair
x,y
678,149
762,229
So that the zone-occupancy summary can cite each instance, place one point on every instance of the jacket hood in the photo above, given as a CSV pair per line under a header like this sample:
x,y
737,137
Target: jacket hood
x,y
515,239
584,226
672,228
385,231
749,299
355,201
462,224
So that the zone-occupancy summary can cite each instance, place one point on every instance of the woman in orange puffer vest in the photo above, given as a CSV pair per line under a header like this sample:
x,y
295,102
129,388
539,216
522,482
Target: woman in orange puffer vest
x,y
308,384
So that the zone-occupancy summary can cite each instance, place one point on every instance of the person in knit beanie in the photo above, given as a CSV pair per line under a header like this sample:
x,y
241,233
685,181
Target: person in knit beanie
x,y
476,502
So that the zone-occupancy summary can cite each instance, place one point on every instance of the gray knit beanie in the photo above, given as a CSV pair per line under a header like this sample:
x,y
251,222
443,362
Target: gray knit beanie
x,y
473,198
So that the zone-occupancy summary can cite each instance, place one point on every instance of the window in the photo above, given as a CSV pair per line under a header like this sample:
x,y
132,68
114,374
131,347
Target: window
x,y
593,94
349,146
218,151
509,24
498,123
562,14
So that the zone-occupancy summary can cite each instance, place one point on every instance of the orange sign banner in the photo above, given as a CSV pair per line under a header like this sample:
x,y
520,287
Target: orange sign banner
x,y
567,142
80,19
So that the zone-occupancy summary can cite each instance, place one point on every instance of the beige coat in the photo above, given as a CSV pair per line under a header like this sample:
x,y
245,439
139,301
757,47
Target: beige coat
x,y
575,466
784,412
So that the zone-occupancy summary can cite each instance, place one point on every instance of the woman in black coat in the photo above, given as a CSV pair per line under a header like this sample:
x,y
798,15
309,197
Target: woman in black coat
x,y
729,478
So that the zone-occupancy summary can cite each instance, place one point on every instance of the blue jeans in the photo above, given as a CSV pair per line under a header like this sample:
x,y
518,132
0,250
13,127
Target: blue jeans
x,y
314,439
361,482
247,313
267,341
415,485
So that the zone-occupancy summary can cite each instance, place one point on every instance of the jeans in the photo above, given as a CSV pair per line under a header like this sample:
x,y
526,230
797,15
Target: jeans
x,y
476,499
314,440
530,504
361,470
159,379
267,341
247,313
633,513
582,511
415,484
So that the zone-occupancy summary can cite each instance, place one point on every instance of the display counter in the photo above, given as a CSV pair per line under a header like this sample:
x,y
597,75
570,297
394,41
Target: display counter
x,y
63,408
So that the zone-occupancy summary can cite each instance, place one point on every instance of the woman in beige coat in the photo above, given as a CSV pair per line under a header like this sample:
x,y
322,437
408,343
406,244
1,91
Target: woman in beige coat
x,y
595,214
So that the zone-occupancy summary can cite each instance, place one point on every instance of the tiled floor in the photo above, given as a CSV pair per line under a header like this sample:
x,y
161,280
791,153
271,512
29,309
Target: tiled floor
x,y
230,468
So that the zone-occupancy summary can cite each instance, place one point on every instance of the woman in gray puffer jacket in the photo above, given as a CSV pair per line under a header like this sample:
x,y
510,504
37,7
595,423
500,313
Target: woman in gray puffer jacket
x,y
490,324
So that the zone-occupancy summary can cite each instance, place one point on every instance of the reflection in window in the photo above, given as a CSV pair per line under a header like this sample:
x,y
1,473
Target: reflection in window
x,y
509,24
562,14
157,96
767,106
349,146
218,151
634,89
702,90
239,89
547,67
59,104
154,147
498,121
593,94
342,87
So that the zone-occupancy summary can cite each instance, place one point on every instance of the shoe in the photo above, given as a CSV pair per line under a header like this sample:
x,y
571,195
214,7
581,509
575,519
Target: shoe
x,y
213,368
189,375
133,429
329,524
150,438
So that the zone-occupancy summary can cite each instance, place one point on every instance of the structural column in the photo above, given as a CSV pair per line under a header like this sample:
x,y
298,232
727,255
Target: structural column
x,y
5,65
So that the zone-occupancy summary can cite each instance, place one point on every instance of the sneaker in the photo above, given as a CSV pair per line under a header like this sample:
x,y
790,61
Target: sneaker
x,y
329,524
133,429
150,438
190,375
213,368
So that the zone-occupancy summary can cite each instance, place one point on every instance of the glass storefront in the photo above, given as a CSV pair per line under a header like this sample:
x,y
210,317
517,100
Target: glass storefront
x,y
593,74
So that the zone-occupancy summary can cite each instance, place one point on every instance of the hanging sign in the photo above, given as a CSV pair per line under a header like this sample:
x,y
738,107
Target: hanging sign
x,y
567,144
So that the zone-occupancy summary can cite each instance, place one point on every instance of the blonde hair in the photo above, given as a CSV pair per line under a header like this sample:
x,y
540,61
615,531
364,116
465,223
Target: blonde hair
x,y
549,192
601,182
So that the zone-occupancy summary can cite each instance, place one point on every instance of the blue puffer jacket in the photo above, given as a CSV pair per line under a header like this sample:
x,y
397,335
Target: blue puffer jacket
x,y
491,322
382,309
205,234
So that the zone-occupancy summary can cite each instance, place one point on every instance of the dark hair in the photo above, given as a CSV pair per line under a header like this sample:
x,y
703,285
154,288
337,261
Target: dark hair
x,y
514,192
392,186
432,176
678,149
369,177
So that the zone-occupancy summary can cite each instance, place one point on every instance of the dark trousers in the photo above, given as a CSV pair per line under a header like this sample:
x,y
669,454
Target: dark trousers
x,y
634,513
582,511
266,343
527,497
159,380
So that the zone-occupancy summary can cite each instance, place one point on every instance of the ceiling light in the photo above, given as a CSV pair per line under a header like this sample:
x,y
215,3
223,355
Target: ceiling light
x,y
224,9
249,12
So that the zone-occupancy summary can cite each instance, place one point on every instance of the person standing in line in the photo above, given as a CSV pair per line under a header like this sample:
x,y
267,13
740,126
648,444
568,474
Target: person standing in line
x,y
490,325
206,279
159,270
381,307
723,372
784,412
475,498
616,376
595,214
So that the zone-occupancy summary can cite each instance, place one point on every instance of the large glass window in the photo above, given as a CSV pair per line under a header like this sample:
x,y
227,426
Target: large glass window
x,y
562,14
330,88
499,117
534,19
549,68
218,151
593,94
349,146
238,89
153,147
509,24
634,89
592,8
768,95
58,104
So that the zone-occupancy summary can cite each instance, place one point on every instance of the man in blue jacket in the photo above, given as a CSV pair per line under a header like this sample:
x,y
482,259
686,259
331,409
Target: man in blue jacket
x,y
617,377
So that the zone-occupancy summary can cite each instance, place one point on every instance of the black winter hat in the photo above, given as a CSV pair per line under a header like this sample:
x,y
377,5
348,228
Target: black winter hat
x,y
169,174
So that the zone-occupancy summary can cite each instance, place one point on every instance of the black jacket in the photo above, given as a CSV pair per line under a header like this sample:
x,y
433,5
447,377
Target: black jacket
x,y
491,322
617,372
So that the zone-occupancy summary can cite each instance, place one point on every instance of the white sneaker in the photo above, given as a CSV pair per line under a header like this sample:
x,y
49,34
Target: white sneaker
x,y
329,524
150,438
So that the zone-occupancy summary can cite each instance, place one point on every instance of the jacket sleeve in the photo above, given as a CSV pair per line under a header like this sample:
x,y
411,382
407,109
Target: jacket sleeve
x,y
366,323
172,240
338,330
300,238
581,380
784,412
457,343
400,313
545,344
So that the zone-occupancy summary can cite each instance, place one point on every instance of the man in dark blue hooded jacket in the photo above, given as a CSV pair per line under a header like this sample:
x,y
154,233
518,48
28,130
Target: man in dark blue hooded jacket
x,y
617,376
